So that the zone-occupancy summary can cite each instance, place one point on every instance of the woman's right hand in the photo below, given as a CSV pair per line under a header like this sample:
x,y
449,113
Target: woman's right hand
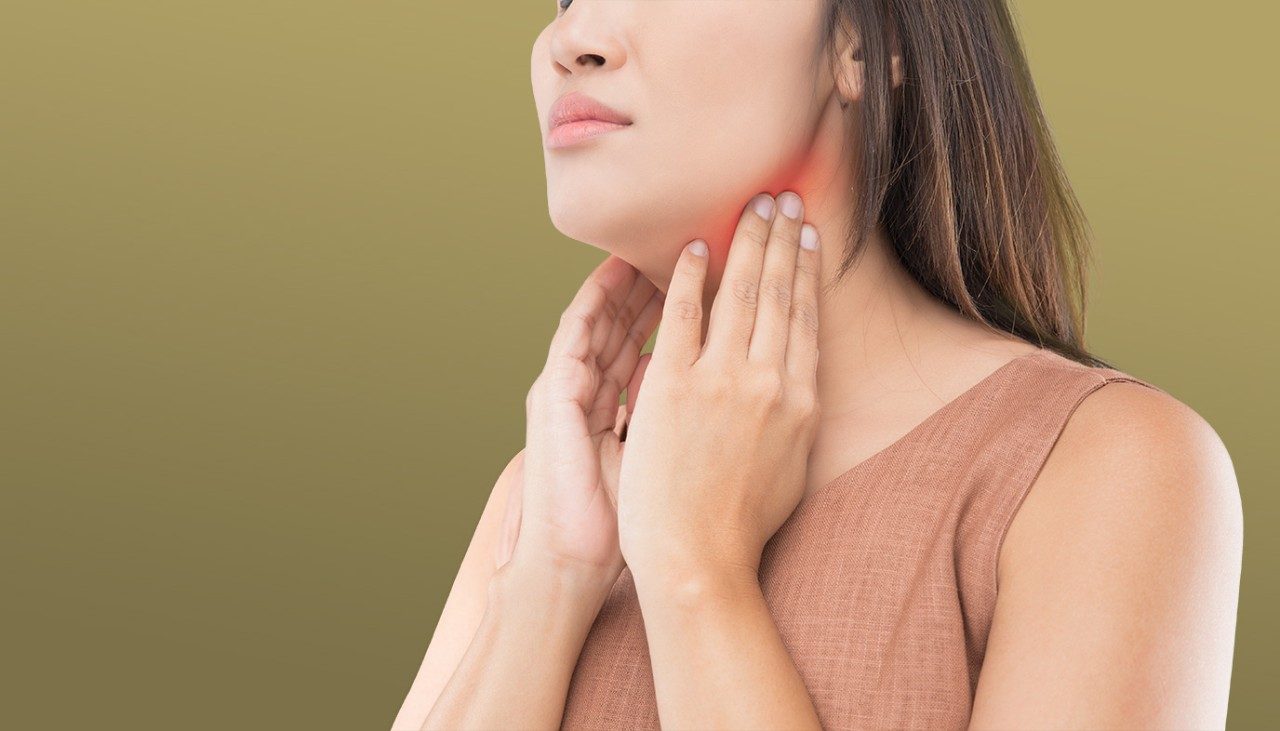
x,y
559,510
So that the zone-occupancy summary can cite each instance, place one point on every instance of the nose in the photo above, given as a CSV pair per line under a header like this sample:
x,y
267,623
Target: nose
x,y
585,37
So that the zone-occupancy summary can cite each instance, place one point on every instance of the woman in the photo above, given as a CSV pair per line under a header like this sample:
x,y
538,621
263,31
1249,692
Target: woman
x,y
944,520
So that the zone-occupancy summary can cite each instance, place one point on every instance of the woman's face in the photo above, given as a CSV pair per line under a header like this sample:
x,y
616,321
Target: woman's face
x,y
725,97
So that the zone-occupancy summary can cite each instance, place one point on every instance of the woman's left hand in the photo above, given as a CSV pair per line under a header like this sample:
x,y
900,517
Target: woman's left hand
x,y
717,447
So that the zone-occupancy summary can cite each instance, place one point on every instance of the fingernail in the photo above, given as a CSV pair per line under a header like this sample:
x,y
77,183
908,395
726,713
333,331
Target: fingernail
x,y
763,204
809,237
698,247
789,204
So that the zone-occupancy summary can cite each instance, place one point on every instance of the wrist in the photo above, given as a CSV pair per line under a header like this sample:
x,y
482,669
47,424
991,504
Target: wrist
x,y
695,583
568,588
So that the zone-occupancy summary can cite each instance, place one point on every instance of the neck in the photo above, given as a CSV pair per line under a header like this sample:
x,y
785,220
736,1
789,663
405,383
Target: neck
x,y
877,324
880,333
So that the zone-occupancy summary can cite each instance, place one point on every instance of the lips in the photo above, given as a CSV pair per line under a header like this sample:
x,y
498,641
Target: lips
x,y
577,106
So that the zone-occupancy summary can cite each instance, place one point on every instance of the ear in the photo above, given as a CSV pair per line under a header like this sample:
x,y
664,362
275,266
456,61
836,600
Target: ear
x,y
851,64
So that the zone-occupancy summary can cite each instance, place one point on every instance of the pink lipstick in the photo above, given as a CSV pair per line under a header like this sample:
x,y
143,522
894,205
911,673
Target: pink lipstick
x,y
576,117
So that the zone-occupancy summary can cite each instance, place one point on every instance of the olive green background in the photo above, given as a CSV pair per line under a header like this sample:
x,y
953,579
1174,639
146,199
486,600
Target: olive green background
x,y
277,276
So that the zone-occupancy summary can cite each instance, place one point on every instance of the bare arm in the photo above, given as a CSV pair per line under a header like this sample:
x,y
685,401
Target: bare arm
x,y
509,639
1119,577
515,673
463,609
509,635
718,660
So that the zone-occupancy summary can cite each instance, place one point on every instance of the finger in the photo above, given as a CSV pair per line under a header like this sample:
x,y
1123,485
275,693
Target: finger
x,y
617,291
777,284
802,342
620,371
584,317
641,292
620,421
623,367
611,450
615,278
572,369
617,357
680,331
733,313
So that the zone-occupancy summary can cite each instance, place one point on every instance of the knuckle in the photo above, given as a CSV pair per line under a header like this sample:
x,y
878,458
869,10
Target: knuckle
x,y
806,270
565,372
612,384
805,316
745,291
787,236
636,335
716,390
628,313
779,290
685,309
611,310
768,387
804,404
807,265
574,315
758,235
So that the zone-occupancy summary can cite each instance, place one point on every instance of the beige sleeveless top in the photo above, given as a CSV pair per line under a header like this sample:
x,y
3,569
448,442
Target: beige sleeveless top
x,y
882,583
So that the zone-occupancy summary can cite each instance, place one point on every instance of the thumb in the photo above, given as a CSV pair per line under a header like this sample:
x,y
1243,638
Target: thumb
x,y
611,448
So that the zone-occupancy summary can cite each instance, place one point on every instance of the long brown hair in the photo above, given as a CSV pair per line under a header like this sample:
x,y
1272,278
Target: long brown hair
x,y
960,167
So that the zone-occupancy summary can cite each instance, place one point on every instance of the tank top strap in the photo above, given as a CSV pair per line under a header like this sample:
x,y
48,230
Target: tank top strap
x,y
1023,417
1113,375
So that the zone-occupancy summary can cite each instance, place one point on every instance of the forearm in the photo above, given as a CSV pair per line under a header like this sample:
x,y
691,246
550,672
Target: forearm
x,y
718,660
517,668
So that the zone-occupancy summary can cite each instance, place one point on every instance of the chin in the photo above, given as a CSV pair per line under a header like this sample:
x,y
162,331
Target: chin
x,y
592,220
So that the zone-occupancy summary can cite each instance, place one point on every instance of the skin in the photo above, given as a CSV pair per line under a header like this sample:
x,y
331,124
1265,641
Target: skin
x,y
1119,575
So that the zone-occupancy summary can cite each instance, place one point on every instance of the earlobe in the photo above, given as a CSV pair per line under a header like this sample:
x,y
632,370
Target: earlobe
x,y
849,92
848,78
851,66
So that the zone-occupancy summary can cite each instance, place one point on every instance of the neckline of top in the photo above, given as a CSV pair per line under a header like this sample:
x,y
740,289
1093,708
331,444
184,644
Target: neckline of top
x,y
916,431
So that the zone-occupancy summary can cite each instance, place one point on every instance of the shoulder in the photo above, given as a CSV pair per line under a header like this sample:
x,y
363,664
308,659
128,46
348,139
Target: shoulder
x,y
1131,463
1118,579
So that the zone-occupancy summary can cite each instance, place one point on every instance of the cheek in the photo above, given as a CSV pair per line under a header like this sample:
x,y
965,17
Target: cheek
x,y
723,131
724,106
